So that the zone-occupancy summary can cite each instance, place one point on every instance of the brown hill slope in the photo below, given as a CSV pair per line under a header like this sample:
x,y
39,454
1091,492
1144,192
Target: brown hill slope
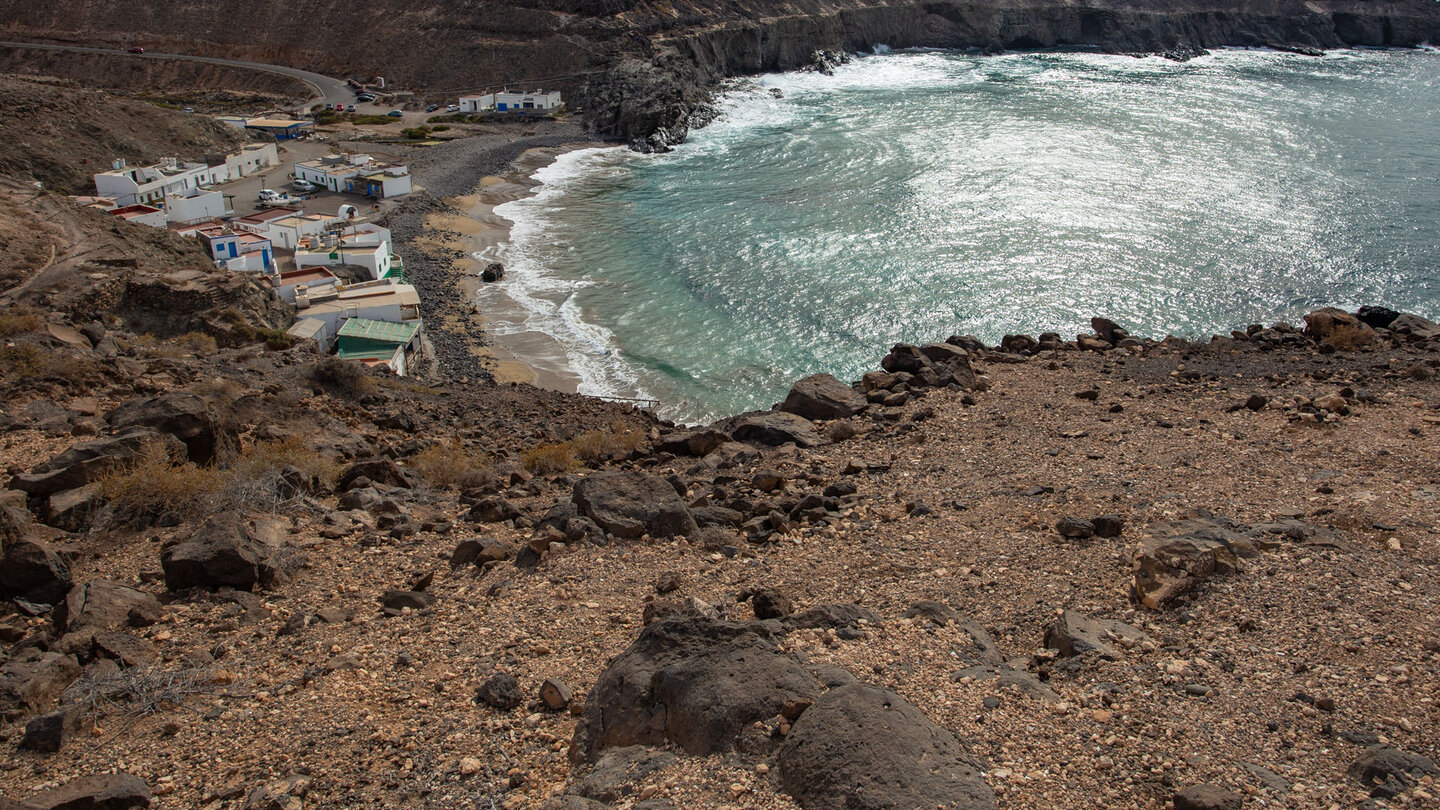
x,y
60,134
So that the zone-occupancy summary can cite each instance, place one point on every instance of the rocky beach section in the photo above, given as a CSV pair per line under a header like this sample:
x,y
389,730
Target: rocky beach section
x,y
1104,571
437,264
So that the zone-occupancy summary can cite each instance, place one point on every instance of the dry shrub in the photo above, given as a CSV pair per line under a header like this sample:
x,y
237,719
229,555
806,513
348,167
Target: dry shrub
x,y
15,322
604,445
549,458
1350,337
141,690
197,343
447,463
220,391
157,482
290,451
342,376
27,362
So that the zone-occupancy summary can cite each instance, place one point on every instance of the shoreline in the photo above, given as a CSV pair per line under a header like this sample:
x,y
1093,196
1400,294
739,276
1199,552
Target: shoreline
x,y
473,229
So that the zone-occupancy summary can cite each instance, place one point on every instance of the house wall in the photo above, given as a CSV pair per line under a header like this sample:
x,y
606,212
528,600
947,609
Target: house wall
x,y
210,205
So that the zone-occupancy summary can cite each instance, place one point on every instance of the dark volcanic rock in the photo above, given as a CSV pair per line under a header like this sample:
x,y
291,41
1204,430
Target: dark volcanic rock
x,y
493,510
835,615
772,428
181,414
378,471
1075,527
629,504
220,553
821,396
693,681
770,604
1076,634
501,691
99,606
863,747
33,571
1184,554
1207,797
110,791
32,680
1377,317
85,463
621,772
1387,772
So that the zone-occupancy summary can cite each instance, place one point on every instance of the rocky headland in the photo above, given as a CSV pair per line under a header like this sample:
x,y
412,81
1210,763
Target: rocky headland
x,y
644,71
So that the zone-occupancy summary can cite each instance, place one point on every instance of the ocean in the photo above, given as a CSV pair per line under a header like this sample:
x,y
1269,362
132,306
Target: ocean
x,y
915,195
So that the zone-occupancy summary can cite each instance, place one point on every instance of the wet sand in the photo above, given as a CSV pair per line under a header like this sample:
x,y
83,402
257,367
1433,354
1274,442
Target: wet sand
x,y
514,353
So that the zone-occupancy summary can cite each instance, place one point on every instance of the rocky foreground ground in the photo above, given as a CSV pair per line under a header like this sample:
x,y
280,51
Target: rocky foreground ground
x,y
1106,572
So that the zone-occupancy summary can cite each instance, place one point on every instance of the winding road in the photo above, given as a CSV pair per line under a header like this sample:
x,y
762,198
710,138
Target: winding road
x,y
328,90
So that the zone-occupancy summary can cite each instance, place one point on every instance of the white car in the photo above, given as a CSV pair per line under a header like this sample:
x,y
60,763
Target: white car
x,y
453,108
270,195
304,186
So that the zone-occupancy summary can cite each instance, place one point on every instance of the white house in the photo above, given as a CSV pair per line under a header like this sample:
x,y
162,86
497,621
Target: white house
x,y
288,227
381,183
141,215
308,281
359,244
512,101
357,174
237,250
195,205
251,158
146,185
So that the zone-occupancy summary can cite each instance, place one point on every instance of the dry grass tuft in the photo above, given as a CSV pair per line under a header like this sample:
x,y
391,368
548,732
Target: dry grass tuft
x,y
16,322
597,446
341,376
157,482
549,459
141,690
450,463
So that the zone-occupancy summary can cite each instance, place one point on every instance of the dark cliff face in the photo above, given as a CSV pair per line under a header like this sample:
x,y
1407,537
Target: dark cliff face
x,y
639,67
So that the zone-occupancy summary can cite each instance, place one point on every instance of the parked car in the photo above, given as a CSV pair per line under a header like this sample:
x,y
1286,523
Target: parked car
x,y
394,113
432,108
188,110
304,186
453,108
137,49
270,195
350,108
364,97
329,106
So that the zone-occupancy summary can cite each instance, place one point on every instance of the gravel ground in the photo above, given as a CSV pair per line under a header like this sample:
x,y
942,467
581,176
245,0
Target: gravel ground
x,y
382,711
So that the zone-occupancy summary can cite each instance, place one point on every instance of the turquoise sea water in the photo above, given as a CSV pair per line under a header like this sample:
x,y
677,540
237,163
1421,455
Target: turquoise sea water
x,y
916,195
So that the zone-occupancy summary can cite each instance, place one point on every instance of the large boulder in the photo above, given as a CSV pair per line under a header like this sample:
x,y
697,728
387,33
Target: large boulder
x,y
32,680
905,358
100,606
1327,323
697,682
85,463
694,442
220,553
33,571
1387,772
1207,797
629,504
772,429
1415,326
1076,634
108,791
863,747
379,471
1182,554
821,396
181,414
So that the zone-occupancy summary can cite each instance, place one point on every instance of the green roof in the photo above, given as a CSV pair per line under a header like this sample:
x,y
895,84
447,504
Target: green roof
x,y
397,333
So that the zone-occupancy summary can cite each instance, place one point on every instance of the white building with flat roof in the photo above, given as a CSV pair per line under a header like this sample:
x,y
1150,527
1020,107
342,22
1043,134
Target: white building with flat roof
x,y
512,101
147,185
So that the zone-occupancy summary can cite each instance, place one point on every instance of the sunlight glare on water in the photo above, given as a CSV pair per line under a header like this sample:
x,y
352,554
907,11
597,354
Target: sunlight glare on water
x,y
916,195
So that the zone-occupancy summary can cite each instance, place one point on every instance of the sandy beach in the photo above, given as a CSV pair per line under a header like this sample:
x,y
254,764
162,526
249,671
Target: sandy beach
x,y
515,353
448,235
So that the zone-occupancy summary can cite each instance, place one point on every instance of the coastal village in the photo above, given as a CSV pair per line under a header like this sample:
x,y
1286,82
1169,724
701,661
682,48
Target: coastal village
x,y
337,268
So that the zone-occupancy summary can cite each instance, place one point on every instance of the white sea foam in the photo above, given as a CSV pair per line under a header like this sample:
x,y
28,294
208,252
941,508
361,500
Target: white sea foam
x,y
547,298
